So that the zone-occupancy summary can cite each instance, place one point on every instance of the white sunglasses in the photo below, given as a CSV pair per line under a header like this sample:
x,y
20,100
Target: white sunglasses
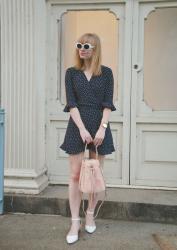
x,y
85,46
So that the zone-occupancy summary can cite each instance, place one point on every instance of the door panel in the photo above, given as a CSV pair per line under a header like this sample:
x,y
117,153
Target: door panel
x,y
160,62
65,24
153,159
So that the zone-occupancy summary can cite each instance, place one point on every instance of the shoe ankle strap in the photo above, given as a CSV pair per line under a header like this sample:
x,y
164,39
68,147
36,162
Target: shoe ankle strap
x,y
75,218
90,212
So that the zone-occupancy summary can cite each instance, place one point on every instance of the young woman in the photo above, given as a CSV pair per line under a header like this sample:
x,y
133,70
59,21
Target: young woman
x,y
89,93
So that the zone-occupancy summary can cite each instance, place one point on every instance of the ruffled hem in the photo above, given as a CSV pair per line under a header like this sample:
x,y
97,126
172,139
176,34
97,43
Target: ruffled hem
x,y
68,106
70,150
108,105
104,151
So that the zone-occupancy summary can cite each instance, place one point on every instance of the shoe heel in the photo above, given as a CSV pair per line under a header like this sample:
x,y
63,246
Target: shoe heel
x,y
90,229
74,237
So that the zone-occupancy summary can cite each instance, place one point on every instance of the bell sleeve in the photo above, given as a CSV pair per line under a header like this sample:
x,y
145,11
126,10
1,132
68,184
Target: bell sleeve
x,y
71,101
108,94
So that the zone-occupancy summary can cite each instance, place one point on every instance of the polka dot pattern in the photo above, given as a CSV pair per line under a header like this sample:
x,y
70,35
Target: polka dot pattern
x,y
90,97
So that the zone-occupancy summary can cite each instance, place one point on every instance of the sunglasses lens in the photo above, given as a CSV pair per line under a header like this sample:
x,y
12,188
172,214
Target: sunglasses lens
x,y
79,46
86,46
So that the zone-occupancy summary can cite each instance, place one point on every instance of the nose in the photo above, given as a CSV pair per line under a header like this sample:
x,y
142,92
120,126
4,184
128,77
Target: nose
x,y
83,51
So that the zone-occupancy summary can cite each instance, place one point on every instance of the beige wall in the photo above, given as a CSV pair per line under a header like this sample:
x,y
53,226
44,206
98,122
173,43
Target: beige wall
x,y
103,23
160,64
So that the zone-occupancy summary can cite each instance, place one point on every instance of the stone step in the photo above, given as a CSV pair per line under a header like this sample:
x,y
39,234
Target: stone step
x,y
120,204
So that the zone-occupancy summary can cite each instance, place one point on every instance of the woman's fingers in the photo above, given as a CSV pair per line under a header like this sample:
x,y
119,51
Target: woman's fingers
x,y
98,142
99,137
86,136
89,139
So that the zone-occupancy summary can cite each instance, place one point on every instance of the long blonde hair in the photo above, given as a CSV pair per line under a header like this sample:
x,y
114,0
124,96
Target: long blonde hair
x,y
96,58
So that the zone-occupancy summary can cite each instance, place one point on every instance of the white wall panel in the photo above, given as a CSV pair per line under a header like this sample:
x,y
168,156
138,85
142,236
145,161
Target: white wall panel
x,y
23,85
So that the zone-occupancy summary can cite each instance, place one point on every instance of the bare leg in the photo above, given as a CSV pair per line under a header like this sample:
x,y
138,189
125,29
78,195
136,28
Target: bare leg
x,y
74,192
91,206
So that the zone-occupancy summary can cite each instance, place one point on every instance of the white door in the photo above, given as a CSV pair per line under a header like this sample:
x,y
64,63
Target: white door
x,y
65,23
153,160
139,43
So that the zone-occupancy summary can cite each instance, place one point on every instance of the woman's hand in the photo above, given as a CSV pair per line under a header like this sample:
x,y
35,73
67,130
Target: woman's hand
x,y
99,136
85,135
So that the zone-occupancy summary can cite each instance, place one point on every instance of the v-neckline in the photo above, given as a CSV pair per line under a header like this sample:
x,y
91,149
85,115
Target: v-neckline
x,y
86,76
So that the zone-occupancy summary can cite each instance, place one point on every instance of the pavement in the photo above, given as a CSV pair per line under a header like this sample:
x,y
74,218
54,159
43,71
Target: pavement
x,y
25,231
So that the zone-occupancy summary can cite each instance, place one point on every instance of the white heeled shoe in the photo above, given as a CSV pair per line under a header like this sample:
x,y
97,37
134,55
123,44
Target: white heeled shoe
x,y
71,238
90,229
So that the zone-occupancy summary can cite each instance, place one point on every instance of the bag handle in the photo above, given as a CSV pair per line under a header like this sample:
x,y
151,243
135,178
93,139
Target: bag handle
x,y
85,151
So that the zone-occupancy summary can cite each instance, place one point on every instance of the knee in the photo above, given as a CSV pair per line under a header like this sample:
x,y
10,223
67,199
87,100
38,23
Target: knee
x,y
75,177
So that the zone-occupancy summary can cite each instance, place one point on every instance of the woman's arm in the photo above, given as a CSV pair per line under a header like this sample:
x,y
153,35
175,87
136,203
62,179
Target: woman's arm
x,y
85,135
108,106
75,114
72,107
107,103
101,131
105,118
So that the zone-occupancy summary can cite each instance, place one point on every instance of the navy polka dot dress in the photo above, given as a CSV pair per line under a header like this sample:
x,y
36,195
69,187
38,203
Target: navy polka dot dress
x,y
90,97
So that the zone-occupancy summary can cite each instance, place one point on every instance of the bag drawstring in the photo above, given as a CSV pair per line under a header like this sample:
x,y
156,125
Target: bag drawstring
x,y
92,194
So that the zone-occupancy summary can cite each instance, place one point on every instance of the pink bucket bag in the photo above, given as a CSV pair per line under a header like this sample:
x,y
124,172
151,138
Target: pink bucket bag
x,y
91,179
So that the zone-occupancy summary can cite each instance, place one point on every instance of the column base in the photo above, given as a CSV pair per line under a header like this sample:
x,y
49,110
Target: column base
x,y
25,181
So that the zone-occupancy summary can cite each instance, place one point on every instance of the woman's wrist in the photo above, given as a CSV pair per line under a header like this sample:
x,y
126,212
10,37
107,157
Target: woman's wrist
x,y
81,128
102,128
104,124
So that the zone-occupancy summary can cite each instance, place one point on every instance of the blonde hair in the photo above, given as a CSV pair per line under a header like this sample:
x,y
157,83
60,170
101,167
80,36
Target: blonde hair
x,y
95,65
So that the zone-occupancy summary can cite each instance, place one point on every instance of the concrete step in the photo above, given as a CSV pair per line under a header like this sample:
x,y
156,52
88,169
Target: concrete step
x,y
120,204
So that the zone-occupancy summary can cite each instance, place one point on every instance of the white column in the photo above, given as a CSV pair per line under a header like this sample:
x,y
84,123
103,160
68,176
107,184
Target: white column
x,y
23,94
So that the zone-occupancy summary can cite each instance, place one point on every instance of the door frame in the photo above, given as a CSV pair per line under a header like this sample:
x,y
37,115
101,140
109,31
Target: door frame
x,y
120,119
